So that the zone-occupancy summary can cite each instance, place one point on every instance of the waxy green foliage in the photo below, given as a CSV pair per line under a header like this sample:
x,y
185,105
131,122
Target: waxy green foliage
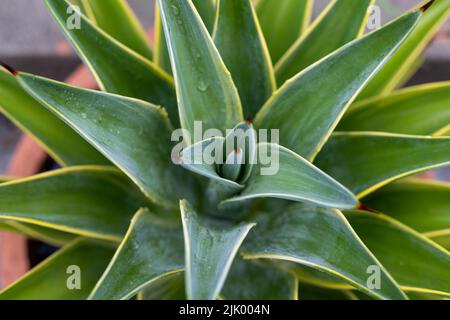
x,y
147,218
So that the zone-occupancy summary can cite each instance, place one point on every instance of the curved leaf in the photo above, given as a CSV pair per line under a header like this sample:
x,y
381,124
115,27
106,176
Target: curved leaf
x,y
309,106
232,167
5,226
288,18
149,251
250,280
46,235
133,134
322,239
116,18
341,22
296,179
415,262
380,158
422,205
243,137
50,280
160,51
170,287
443,239
443,132
420,110
308,292
394,73
196,158
205,89
96,202
318,278
209,253
131,74
4,179
243,49
58,139
424,296
207,11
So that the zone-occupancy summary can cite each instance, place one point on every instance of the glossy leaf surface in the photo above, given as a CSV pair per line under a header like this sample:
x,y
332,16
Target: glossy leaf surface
x,y
53,278
133,134
380,158
309,106
205,89
288,176
149,251
243,49
317,237
209,253
421,110
97,202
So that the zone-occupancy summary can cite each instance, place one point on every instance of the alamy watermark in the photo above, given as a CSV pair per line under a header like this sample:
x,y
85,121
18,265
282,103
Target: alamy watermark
x,y
73,281
374,280
221,144
74,17
374,17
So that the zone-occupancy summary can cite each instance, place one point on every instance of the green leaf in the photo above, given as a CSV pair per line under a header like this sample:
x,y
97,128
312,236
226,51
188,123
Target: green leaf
x,y
443,132
209,253
233,165
243,137
149,251
160,51
289,176
201,158
308,292
46,235
4,179
318,278
250,280
288,18
309,106
5,226
64,145
205,89
415,262
392,75
133,134
322,239
421,110
380,158
131,74
96,202
341,22
424,296
243,49
204,158
443,239
170,287
422,205
116,18
207,11
50,280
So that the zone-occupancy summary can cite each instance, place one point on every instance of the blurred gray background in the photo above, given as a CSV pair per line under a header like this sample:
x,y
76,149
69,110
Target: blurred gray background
x,y
26,28
31,41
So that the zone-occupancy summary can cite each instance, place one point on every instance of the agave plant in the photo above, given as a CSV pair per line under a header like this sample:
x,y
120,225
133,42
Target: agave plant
x,y
332,222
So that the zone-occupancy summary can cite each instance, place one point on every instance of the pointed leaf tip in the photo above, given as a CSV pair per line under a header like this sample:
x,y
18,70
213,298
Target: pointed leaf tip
x,y
363,207
426,6
9,68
